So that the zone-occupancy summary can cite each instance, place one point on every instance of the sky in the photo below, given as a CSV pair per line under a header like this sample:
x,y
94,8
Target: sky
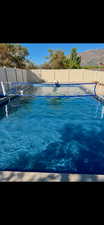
x,y
38,51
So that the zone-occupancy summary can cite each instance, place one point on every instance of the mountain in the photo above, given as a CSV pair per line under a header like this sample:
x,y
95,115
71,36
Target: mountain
x,y
92,57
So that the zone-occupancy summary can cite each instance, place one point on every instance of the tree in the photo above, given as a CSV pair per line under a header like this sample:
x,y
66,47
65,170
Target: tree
x,y
73,62
67,63
4,58
56,59
46,65
30,65
13,55
17,54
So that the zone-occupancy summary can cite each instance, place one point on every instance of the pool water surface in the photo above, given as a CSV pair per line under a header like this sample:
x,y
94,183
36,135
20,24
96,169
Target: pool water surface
x,y
63,135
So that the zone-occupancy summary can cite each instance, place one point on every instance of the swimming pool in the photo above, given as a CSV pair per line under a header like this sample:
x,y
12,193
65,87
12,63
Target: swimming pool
x,y
64,135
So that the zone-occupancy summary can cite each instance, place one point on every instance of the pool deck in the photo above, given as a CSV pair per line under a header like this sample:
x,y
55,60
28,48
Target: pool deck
x,y
100,92
48,177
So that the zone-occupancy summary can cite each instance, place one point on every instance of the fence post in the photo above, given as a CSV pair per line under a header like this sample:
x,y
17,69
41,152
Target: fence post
x,y
16,74
16,77
0,74
6,76
54,76
22,75
40,73
69,76
83,76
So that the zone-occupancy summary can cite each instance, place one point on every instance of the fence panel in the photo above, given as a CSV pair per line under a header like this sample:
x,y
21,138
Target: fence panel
x,y
61,75
9,75
48,75
2,75
19,75
24,75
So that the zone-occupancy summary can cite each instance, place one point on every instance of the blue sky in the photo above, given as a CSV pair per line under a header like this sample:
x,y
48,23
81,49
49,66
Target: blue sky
x,y
40,50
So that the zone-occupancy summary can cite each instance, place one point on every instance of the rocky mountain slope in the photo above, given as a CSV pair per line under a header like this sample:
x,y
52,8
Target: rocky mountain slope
x,y
92,57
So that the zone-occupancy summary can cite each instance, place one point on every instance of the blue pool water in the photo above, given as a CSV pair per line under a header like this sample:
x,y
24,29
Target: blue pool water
x,y
52,135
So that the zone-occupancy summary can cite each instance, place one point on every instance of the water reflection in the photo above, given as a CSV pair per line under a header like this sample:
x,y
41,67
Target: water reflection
x,y
13,106
99,111
6,111
102,112
55,101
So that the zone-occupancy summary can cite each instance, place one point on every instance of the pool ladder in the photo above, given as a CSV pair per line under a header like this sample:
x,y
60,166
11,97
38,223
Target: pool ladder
x,y
3,88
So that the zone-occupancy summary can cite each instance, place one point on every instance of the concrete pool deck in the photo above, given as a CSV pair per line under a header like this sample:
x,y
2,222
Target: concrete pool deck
x,y
8,176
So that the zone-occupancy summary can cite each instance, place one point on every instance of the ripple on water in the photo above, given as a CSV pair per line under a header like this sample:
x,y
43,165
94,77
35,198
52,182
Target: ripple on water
x,y
52,135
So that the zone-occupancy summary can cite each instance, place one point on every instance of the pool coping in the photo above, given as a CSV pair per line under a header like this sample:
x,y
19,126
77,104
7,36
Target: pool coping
x,y
10,176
